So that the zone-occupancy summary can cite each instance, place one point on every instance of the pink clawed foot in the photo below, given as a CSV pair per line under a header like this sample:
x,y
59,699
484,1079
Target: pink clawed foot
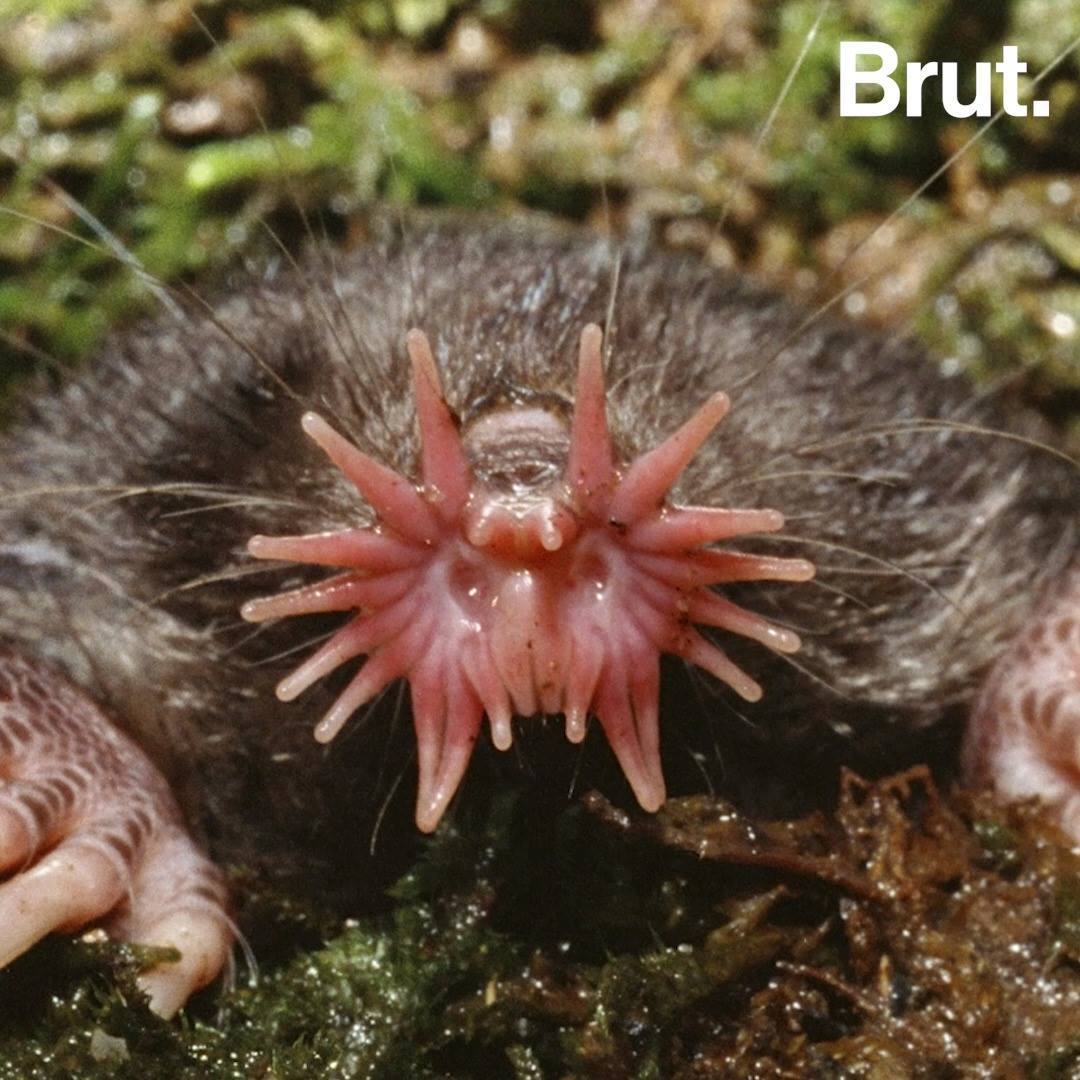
x,y
1023,738
494,603
177,900
89,833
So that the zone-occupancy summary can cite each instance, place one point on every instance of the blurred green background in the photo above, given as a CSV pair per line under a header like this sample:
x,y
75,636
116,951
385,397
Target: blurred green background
x,y
188,132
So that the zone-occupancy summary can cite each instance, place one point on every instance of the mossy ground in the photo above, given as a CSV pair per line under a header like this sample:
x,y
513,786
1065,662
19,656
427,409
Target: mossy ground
x,y
145,143
903,935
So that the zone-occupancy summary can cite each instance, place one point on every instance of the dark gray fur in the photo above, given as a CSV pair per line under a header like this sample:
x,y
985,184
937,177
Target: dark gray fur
x,y
953,535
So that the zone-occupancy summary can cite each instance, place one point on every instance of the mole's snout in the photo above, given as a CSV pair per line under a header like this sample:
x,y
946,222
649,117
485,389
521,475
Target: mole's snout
x,y
556,601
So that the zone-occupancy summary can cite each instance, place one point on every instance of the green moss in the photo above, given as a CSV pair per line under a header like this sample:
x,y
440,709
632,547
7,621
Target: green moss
x,y
596,943
183,131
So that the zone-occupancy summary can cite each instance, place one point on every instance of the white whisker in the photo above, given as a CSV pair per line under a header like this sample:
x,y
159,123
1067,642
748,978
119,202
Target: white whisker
x,y
766,128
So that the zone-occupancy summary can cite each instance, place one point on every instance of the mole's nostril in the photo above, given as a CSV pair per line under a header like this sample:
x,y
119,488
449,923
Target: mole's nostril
x,y
523,530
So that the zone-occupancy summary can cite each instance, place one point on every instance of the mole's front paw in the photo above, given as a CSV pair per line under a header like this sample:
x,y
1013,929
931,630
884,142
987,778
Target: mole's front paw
x,y
90,833
1024,735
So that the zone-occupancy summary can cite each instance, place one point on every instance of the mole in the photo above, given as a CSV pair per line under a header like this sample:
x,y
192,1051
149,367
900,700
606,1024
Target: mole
x,y
507,481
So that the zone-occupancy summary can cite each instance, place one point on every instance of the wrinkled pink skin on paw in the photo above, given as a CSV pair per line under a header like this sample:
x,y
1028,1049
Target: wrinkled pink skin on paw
x,y
90,834
560,602
1023,738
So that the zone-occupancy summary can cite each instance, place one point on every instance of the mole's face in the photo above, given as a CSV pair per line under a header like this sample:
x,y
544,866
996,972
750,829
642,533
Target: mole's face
x,y
502,592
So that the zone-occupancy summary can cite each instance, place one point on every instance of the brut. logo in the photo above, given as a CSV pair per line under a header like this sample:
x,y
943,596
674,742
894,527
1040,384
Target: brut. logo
x,y
918,77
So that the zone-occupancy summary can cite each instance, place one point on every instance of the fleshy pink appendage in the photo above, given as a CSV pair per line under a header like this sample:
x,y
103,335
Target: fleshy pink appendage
x,y
1023,738
562,602
90,833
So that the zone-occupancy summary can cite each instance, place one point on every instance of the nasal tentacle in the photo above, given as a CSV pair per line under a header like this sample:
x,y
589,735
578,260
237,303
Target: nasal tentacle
x,y
445,471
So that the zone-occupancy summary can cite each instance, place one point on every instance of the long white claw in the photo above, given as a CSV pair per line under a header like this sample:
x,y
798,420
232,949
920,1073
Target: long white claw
x,y
178,900
204,943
